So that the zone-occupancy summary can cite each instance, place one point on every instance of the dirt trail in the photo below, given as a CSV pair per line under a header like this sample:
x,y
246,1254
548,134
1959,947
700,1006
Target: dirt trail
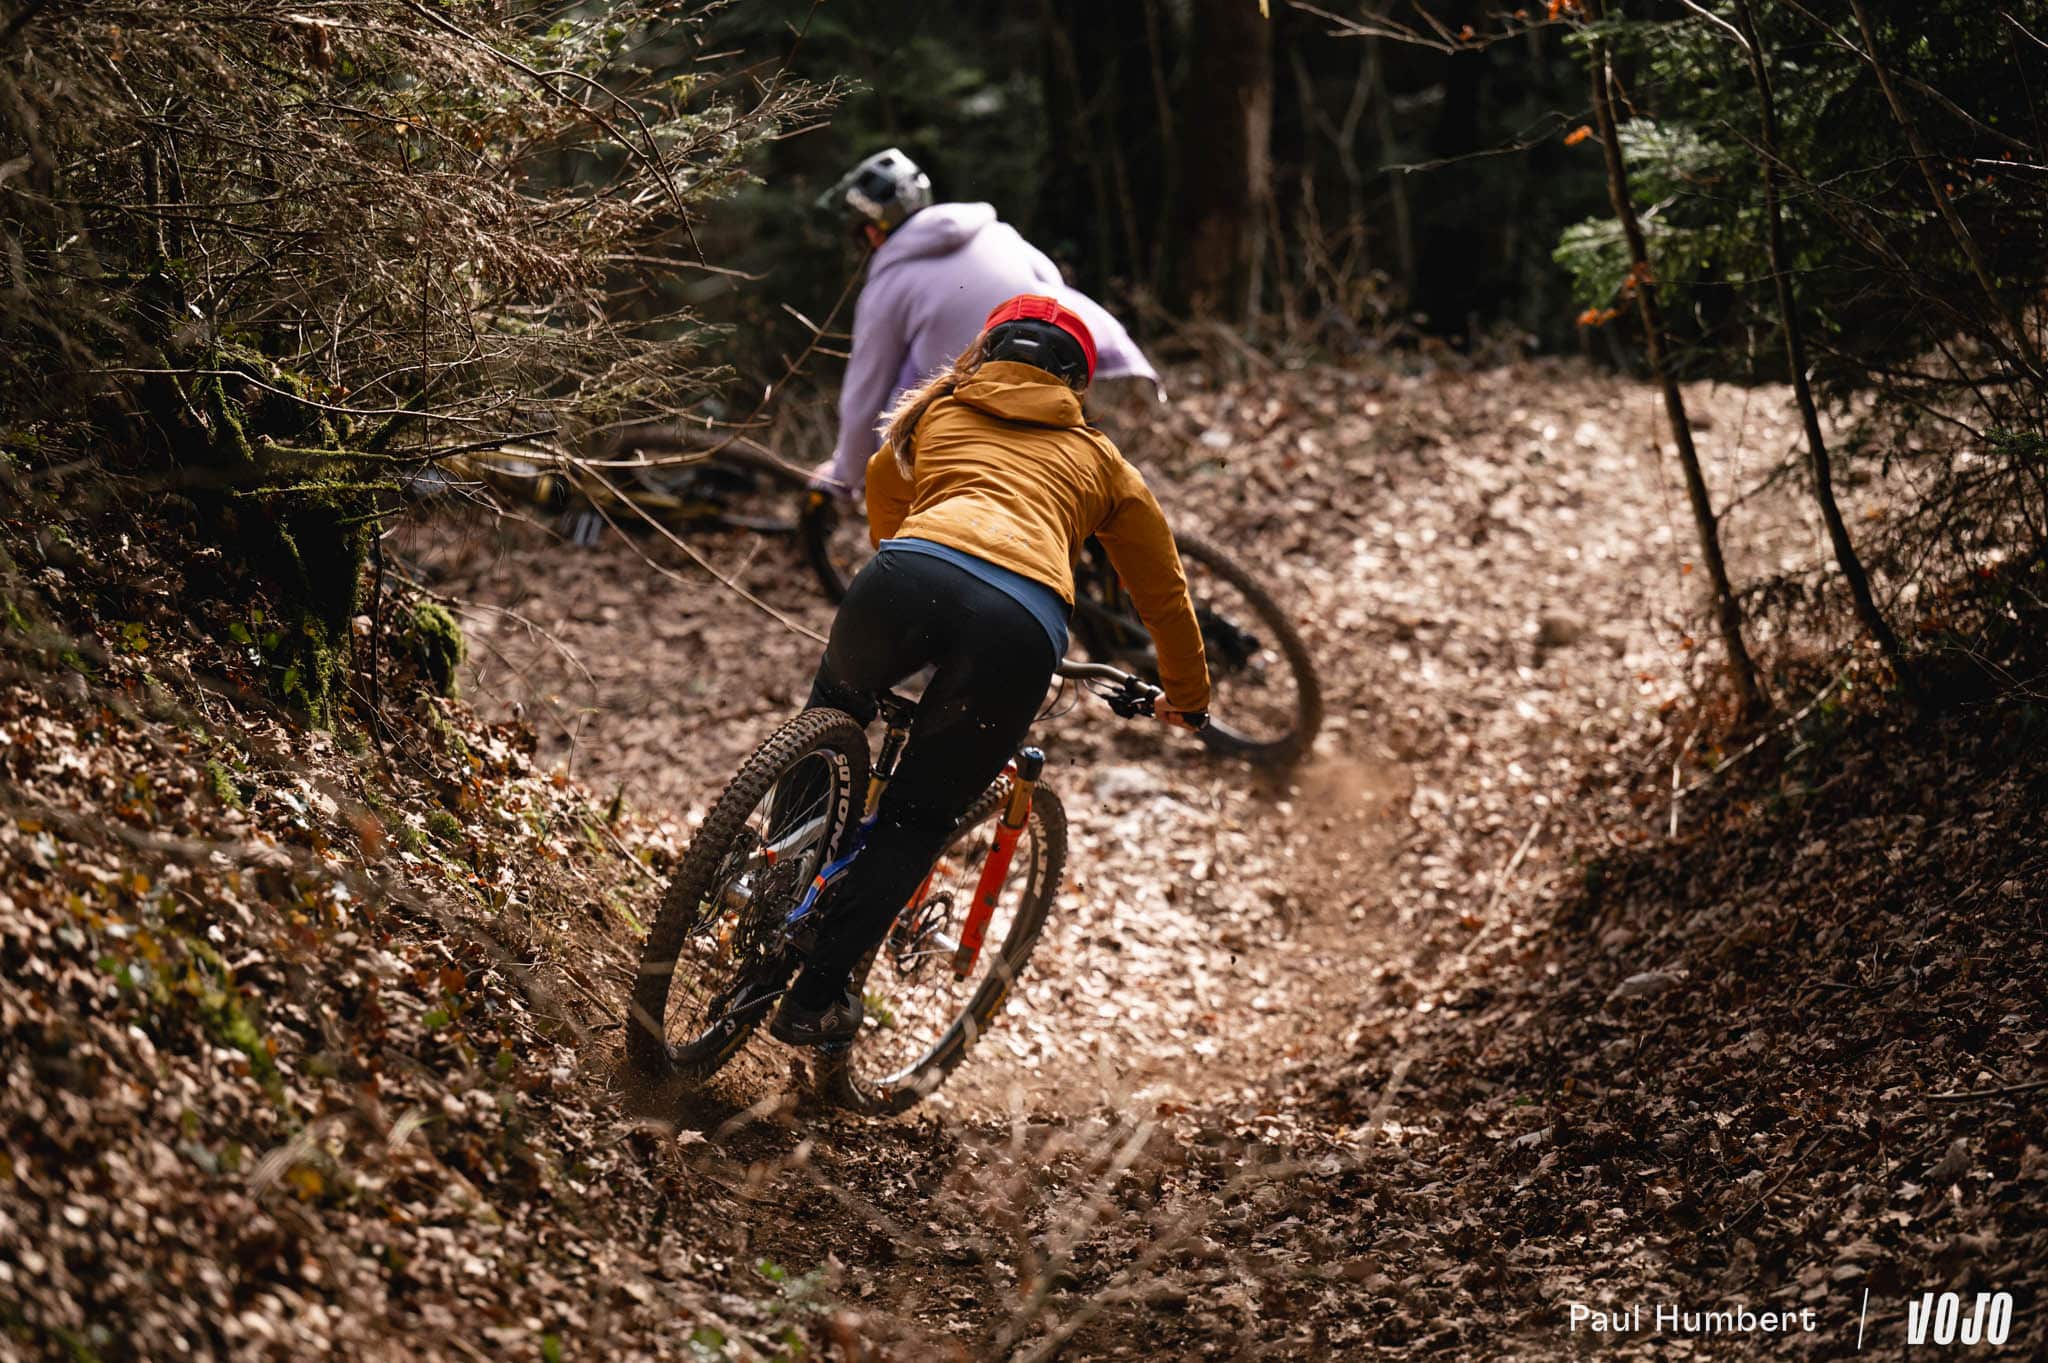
x,y
1489,574
1481,567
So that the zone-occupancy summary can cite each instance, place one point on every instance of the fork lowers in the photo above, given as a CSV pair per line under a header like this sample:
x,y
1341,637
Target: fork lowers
x,y
1025,772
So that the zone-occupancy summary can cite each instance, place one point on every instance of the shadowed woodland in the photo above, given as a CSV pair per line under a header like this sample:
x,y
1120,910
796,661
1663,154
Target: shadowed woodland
x,y
1634,411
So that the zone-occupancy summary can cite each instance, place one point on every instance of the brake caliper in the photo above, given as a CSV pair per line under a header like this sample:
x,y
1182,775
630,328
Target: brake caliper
x,y
910,940
1226,643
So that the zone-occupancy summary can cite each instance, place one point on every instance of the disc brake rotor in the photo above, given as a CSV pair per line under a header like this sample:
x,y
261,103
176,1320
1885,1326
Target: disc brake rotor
x,y
910,943
750,898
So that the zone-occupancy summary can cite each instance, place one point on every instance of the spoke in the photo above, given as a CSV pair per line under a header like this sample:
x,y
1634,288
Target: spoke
x,y
797,839
730,966
914,985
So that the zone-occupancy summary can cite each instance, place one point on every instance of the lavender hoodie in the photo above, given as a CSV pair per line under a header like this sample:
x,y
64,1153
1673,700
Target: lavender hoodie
x,y
928,288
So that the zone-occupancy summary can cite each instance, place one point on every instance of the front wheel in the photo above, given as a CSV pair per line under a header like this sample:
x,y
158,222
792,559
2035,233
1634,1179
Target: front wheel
x,y
835,539
714,961
921,1018
1267,701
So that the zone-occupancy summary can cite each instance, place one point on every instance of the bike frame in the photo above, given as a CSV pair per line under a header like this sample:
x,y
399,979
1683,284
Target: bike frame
x,y
1022,772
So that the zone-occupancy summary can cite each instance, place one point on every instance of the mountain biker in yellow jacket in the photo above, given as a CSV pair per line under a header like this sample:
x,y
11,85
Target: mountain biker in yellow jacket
x,y
989,484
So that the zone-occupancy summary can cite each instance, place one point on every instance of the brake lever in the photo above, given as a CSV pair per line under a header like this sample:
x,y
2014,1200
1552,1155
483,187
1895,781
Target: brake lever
x,y
1136,700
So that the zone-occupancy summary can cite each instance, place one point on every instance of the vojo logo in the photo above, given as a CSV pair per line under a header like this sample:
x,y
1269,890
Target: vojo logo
x,y
1940,1320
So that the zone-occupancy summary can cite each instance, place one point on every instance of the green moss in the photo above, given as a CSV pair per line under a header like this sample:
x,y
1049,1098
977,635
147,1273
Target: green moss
x,y
318,547
446,732
75,1348
444,826
221,1007
230,438
2022,447
409,839
223,785
13,617
299,520
234,1026
435,642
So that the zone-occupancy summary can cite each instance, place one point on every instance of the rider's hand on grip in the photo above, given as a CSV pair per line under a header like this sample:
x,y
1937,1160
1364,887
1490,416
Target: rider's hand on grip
x,y
824,479
1194,721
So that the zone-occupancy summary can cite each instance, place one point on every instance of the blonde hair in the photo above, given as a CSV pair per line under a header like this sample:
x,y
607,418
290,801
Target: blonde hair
x,y
915,402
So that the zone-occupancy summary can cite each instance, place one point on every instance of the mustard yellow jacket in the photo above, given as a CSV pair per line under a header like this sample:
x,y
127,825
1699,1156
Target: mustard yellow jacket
x,y
1007,469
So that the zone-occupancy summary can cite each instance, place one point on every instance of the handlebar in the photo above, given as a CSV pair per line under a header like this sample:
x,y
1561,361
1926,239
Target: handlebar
x,y
1102,672
1128,696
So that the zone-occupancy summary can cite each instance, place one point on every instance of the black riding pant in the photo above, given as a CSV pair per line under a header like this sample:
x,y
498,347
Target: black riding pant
x,y
904,612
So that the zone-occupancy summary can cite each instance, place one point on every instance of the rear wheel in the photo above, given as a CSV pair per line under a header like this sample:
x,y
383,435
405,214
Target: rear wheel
x,y
735,488
714,964
921,1018
1267,702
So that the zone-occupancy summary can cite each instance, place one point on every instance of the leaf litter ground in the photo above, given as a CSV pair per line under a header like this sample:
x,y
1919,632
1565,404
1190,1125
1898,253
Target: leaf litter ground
x,y
1411,1048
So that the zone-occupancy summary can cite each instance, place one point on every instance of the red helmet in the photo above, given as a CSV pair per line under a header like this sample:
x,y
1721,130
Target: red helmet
x,y
1034,307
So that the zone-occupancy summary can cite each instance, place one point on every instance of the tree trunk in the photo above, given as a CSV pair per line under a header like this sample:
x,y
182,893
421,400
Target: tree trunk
x,y
1727,610
1105,161
1457,263
1397,183
1225,157
1795,359
2029,359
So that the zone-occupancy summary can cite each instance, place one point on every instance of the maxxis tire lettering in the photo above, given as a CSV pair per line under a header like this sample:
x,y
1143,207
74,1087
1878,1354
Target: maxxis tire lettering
x,y
828,733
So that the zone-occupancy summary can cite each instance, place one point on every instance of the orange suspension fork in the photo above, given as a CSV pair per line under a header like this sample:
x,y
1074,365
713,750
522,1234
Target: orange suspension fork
x,y
1024,776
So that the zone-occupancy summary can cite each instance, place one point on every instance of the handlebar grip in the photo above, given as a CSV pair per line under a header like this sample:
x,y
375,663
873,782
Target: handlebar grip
x,y
1137,700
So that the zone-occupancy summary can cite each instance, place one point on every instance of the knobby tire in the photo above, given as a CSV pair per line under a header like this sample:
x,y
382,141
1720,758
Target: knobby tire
x,y
1308,709
841,1078
826,733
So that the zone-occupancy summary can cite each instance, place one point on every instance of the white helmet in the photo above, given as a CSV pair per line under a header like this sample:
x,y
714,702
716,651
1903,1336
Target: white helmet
x,y
882,190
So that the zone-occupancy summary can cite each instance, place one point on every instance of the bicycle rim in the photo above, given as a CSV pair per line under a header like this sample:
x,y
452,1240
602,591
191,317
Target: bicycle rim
x,y
921,1018
735,489
713,964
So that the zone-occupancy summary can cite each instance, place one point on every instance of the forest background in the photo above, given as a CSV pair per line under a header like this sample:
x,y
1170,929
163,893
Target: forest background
x,y
619,223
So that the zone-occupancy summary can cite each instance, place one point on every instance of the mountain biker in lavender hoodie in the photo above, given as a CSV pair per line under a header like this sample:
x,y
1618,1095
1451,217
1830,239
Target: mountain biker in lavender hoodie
x,y
936,271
